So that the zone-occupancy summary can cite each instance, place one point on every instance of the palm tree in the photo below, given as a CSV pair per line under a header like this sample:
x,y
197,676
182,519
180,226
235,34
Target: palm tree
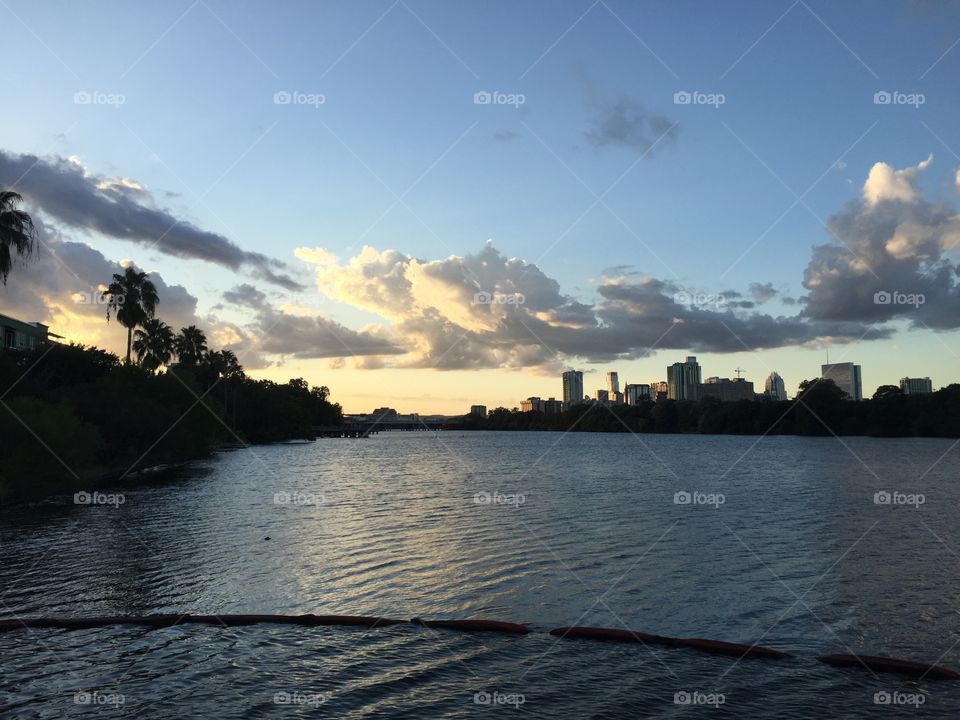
x,y
153,344
17,232
133,299
223,364
190,344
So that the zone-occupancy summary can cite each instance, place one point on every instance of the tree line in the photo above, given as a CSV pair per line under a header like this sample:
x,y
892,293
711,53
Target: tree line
x,y
820,408
78,414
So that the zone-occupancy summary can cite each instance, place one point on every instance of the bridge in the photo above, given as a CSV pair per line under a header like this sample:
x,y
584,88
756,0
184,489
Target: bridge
x,y
364,426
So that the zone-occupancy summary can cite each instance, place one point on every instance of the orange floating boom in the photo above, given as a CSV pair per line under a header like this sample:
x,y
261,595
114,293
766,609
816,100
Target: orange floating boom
x,y
614,634
733,649
474,625
170,620
712,646
883,664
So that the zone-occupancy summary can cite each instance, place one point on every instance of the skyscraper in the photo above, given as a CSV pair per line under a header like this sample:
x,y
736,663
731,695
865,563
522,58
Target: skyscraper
x,y
572,388
613,384
637,393
681,377
846,376
723,389
916,386
774,387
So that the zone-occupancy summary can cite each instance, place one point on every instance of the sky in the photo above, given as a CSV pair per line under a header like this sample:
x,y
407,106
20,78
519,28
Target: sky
x,y
428,205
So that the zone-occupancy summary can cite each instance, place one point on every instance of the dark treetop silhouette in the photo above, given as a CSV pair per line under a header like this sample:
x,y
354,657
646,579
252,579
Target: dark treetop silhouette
x,y
133,299
17,233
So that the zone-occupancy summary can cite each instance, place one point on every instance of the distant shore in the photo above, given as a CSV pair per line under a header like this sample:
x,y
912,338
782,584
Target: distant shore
x,y
821,411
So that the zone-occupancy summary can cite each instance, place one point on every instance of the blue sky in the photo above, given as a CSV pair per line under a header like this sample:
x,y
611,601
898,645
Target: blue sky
x,y
199,127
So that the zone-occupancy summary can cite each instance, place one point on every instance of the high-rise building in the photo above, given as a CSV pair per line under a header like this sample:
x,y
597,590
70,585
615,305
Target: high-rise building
x,y
603,397
681,377
572,388
723,389
613,383
660,390
552,407
531,404
478,410
774,387
916,386
846,376
634,394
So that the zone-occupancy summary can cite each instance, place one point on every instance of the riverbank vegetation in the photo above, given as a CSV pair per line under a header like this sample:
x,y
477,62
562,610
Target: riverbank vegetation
x,y
821,408
74,414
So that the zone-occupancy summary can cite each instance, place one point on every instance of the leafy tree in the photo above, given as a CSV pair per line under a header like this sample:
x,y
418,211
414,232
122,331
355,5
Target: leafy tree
x,y
820,407
190,345
153,344
133,299
221,365
17,232
887,392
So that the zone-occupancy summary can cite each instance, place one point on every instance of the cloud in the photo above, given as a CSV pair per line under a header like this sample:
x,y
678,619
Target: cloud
x,y
486,310
762,292
62,284
885,183
122,209
890,241
625,123
303,336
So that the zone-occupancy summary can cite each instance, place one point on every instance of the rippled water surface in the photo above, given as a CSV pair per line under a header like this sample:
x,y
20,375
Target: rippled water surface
x,y
584,529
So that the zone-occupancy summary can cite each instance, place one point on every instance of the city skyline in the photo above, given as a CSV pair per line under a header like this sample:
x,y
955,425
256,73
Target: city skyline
x,y
847,376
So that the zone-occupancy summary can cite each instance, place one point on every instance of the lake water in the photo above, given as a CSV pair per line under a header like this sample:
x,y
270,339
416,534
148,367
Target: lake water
x,y
580,529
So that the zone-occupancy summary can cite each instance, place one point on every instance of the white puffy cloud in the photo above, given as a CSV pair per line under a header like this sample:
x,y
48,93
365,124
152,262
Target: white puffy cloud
x,y
886,183
892,241
487,310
